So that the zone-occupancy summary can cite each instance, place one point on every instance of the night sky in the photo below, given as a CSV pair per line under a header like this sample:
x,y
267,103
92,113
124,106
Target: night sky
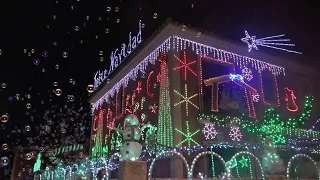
x,y
35,34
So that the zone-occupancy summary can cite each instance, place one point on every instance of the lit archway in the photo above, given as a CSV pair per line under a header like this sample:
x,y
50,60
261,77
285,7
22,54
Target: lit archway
x,y
297,156
190,173
244,153
174,152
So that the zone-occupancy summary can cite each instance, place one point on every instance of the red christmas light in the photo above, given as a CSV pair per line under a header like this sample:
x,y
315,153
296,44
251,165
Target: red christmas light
x,y
149,92
95,128
289,92
185,65
159,77
139,87
262,91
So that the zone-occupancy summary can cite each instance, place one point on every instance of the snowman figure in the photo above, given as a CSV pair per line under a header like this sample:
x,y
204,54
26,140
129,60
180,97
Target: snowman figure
x,y
131,148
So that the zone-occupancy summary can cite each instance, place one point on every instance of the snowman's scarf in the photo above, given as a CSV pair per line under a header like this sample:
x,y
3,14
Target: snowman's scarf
x,y
132,127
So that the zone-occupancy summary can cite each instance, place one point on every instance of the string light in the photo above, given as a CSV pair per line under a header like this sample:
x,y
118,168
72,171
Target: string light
x,y
164,133
269,42
209,131
186,99
150,93
293,98
235,134
188,135
139,87
244,153
304,156
170,152
185,65
165,47
190,173
276,89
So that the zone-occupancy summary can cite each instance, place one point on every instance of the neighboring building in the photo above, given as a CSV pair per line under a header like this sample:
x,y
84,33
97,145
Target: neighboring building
x,y
179,80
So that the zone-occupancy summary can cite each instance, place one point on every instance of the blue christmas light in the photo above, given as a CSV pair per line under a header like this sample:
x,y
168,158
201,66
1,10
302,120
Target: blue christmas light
x,y
269,42
236,76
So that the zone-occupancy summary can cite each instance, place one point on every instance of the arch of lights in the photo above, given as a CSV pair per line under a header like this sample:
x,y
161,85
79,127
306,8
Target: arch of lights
x,y
297,156
190,173
174,152
244,153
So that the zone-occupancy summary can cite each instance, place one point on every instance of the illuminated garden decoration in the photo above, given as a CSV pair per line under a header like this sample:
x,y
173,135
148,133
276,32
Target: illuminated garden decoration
x,y
98,148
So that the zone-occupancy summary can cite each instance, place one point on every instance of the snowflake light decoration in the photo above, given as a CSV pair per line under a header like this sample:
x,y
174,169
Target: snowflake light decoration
x,y
235,134
247,73
256,97
209,131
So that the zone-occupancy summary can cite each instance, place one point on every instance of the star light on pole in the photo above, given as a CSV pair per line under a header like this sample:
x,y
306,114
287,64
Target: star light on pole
x,y
269,42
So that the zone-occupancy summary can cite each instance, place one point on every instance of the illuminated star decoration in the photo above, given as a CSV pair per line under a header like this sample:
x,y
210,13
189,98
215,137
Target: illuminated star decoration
x,y
153,108
186,99
188,136
159,77
244,162
269,42
185,65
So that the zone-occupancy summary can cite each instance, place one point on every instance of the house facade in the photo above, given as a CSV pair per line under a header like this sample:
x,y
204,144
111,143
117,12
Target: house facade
x,y
196,90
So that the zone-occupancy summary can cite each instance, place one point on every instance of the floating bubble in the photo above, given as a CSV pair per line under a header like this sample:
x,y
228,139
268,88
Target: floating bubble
x,y
29,53
90,88
54,17
65,54
17,96
28,128
3,85
101,59
118,20
55,84
123,45
10,98
4,161
57,66
73,82
76,28
184,27
107,30
155,15
28,106
70,80
100,53
198,34
28,156
45,54
5,118
25,51
5,146
32,51
28,96
108,8
116,9
71,98
43,70
36,62
143,25
87,17
1,52
58,92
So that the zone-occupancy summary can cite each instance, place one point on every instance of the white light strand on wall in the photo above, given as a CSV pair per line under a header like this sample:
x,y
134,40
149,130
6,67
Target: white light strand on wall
x,y
179,43
238,60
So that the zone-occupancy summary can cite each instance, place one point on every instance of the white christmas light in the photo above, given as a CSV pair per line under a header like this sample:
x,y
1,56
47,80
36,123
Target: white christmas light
x,y
174,152
255,97
297,156
190,173
235,134
209,131
180,43
269,42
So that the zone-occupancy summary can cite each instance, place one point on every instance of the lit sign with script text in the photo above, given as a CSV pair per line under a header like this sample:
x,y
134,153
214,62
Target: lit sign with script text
x,y
117,57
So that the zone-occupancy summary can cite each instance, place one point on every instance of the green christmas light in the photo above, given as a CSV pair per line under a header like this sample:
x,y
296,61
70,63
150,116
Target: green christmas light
x,y
244,162
188,136
37,164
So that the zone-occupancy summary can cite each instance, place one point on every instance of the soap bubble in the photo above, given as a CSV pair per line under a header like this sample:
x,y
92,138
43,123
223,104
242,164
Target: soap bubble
x,y
5,118
65,54
36,62
4,85
28,106
90,88
155,15
58,92
116,9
